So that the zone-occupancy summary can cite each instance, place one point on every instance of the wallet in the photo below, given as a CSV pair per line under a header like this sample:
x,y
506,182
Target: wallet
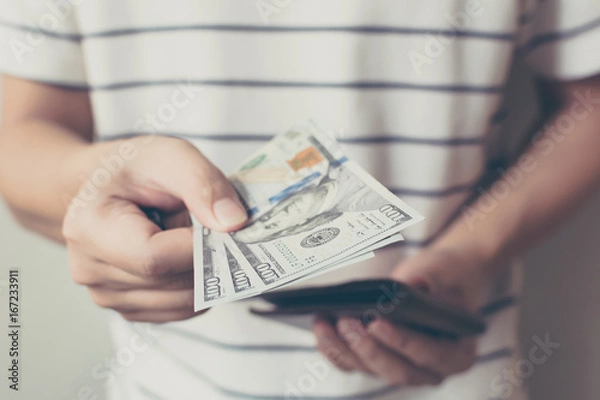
x,y
368,300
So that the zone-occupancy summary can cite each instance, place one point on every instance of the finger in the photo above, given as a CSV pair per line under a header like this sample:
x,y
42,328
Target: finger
x,y
383,362
159,316
117,279
144,300
97,274
443,356
123,236
191,177
334,349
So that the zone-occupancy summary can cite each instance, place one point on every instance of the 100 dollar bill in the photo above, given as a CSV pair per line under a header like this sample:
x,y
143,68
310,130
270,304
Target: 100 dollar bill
x,y
311,210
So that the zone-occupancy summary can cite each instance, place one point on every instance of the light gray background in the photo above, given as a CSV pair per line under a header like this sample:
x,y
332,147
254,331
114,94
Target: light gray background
x,y
65,335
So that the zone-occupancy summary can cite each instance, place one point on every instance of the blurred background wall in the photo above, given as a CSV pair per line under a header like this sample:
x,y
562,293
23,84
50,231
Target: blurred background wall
x,y
65,335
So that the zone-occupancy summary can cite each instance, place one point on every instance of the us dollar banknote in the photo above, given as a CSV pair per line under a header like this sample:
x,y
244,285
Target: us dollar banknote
x,y
287,164
311,210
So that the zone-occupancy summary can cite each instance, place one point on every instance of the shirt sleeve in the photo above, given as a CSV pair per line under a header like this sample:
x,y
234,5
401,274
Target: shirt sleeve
x,y
561,38
39,41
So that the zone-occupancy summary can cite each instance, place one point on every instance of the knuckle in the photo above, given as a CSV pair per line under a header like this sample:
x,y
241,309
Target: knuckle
x,y
71,230
342,363
368,350
151,267
330,351
79,215
214,185
100,299
81,277
80,274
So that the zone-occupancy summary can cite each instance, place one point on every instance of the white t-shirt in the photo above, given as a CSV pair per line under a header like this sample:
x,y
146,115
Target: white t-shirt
x,y
413,89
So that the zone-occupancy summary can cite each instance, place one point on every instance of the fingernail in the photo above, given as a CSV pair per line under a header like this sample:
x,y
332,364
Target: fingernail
x,y
229,212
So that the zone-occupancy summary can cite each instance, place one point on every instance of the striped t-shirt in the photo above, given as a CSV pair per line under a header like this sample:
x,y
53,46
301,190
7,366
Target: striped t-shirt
x,y
412,89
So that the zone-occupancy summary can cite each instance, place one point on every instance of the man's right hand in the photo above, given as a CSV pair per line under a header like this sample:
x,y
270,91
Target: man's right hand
x,y
128,263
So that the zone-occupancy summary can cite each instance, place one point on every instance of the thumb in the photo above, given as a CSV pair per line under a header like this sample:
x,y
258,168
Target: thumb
x,y
183,171
419,271
441,274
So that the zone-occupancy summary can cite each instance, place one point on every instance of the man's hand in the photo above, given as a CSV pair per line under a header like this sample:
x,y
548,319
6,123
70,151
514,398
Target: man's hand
x,y
397,354
128,263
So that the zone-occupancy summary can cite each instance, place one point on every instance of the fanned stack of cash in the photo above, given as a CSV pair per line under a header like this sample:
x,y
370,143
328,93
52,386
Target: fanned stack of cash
x,y
311,211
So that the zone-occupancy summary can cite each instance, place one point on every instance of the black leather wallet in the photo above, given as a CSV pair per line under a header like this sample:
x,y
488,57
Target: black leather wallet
x,y
371,299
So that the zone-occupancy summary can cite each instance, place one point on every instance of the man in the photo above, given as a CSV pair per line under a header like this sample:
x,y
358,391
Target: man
x,y
414,86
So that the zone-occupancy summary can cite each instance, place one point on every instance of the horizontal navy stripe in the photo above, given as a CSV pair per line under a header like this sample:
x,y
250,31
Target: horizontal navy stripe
x,y
59,84
73,37
358,139
496,355
384,139
462,188
546,38
353,85
357,85
355,29
498,305
217,137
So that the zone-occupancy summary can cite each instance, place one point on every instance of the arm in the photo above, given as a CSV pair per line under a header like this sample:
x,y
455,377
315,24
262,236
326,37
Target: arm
x,y
552,178
42,129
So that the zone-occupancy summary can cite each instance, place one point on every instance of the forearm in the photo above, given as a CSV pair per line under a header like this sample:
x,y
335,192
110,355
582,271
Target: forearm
x,y
40,168
556,174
